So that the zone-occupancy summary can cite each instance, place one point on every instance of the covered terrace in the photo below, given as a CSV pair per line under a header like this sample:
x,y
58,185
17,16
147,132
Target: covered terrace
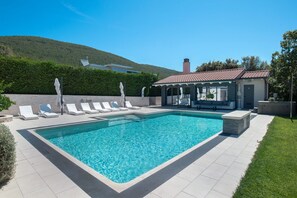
x,y
204,89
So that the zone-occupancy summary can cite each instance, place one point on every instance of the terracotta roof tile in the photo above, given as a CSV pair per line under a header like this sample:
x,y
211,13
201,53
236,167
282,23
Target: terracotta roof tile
x,y
256,74
227,74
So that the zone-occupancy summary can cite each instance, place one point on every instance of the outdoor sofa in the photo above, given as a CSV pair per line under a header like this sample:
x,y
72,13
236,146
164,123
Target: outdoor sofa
x,y
214,105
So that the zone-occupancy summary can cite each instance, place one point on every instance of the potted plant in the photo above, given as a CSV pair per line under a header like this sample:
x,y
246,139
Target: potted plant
x,y
210,95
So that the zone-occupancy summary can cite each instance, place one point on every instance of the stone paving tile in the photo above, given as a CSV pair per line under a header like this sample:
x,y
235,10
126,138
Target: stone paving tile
x,y
225,160
59,182
75,192
31,152
19,155
215,171
46,169
11,193
240,144
184,195
247,153
38,160
191,172
41,193
21,143
151,195
243,159
237,169
10,185
204,162
227,185
233,151
214,153
30,183
23,168
43,166
227,143
172,187
200,187
215,194
254,143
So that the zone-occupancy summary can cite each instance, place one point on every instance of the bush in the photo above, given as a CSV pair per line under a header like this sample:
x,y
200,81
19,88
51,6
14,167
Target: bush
x,y
5,102
7,155
35,77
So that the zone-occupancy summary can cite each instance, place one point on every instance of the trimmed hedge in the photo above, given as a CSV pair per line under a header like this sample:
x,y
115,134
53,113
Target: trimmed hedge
x,y
33,77
7,155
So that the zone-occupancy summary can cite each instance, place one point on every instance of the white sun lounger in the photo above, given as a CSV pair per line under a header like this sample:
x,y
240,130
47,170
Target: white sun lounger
x,y
86,108
106,105
26,113
98,107
115,104
45,110
72,110
128,104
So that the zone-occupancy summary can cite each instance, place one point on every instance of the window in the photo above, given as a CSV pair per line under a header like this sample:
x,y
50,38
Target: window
x,y
212,93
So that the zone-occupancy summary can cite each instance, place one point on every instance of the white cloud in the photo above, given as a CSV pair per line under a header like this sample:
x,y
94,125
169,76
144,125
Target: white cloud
x,y
76,11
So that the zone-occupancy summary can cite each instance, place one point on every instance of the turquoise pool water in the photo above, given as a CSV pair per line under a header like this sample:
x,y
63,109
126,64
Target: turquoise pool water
x,y
126,147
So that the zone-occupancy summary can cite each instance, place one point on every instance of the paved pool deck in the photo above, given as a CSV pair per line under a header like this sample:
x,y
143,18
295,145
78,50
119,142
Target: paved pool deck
x,y
217,173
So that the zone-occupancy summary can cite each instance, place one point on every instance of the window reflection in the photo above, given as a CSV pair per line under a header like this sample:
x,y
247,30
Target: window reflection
x,y
212,93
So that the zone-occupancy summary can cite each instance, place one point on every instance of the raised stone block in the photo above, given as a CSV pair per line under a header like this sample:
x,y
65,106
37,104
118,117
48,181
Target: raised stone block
x,y
236,122
5,118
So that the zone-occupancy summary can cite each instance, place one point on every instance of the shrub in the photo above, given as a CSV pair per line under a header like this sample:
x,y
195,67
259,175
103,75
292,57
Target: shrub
x,y
5,102
7,155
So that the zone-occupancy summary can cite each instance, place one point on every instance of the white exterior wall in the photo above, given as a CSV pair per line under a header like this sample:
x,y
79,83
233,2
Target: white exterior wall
x,y
259,90
36,100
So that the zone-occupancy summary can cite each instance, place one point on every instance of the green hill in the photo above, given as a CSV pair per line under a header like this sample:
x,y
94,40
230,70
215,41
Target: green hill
x,y
44,49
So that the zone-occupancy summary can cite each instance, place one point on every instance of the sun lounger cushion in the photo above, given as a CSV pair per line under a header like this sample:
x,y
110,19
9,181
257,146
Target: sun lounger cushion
x,y
128,104
45,110
26,113
115,104
99,108
106,105
72,110
86,108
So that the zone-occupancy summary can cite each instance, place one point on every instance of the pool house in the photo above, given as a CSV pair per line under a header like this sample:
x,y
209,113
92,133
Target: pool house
x,y
219,89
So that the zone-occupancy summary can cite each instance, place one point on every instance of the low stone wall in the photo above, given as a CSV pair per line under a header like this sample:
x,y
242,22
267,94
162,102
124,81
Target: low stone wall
x,y
36,100
281,108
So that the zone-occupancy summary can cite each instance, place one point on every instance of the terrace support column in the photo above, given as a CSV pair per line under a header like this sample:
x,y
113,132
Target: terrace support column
x,y
164,95
171,95
177,97
193,93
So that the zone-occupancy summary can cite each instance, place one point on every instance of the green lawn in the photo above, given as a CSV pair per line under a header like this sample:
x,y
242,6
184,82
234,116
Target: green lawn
x,y
273,170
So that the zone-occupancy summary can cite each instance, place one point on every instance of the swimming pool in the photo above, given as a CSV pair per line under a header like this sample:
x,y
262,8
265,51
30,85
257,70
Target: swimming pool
x,y
124,147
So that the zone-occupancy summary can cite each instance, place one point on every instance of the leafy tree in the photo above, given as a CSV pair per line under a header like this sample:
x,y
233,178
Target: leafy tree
x,y
231,63
284,66
218,65
250,63
5,102
253,63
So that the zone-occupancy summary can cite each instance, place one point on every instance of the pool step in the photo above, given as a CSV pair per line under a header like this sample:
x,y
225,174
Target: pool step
x,y
123,120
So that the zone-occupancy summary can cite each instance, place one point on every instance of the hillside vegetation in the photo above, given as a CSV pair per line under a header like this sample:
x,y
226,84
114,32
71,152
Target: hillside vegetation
x,y
44,49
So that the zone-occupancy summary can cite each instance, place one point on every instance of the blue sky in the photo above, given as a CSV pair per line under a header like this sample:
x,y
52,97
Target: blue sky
x,y
158,32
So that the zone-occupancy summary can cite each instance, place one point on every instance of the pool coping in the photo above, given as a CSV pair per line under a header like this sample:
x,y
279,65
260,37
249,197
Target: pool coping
x,y
95,187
